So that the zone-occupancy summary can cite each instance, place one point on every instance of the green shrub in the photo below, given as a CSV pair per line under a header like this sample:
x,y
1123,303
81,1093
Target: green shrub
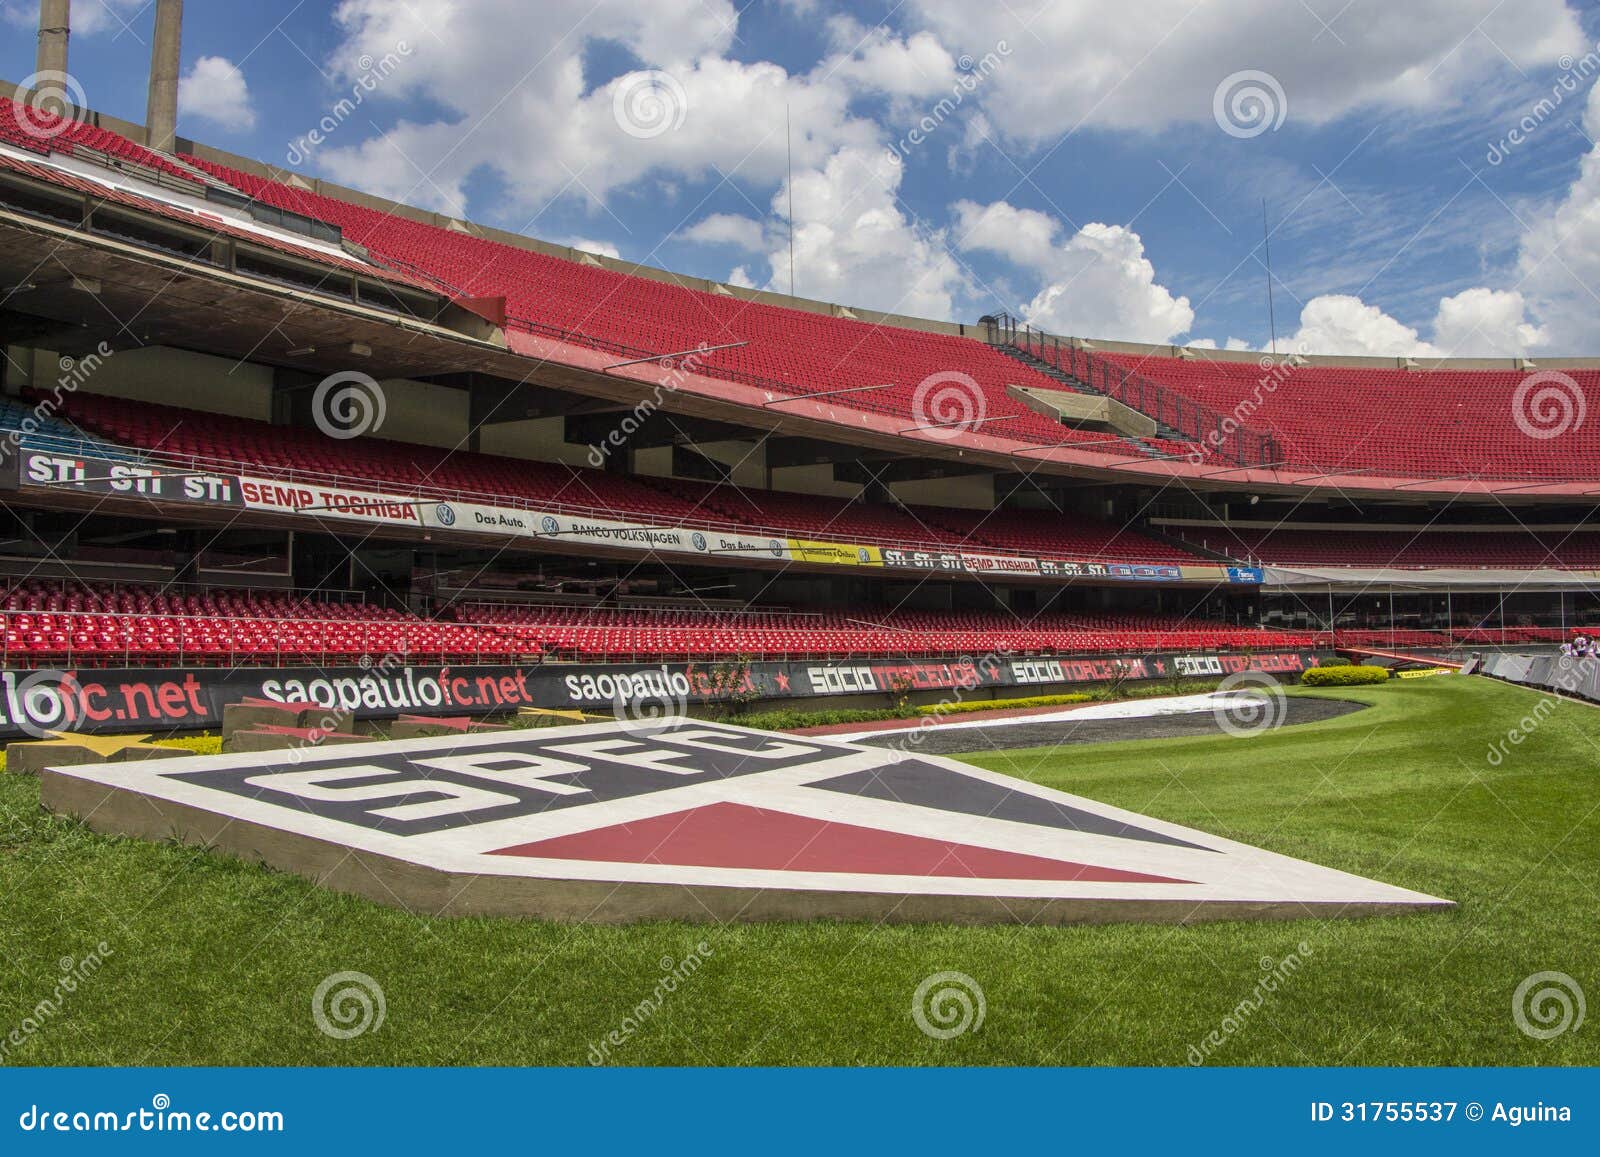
x,y
199,744
788,718
1344,676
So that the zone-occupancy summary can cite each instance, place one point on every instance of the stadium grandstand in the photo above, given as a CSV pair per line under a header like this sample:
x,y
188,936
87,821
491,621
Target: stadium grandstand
x,y
334,431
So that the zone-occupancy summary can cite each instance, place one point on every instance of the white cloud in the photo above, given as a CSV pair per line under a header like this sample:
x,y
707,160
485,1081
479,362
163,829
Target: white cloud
x,y
1156,63
1208,343
1559,259
1485,323
853,243
1021,236
1079,62
1096,283
708,118
214,90
875,60
726,229
721,117
1340,323
599,248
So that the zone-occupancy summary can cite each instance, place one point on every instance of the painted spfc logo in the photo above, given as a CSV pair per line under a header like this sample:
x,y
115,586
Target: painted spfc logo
x,y
697,820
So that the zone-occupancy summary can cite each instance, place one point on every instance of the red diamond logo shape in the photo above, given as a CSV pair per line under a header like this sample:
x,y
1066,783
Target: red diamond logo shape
x,y
732,835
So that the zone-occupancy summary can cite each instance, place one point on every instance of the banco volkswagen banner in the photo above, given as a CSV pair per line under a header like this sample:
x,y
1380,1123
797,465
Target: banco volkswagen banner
x,y
127,478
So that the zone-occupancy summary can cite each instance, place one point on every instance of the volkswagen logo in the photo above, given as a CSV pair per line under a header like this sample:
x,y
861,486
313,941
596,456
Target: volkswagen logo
x,y
445,513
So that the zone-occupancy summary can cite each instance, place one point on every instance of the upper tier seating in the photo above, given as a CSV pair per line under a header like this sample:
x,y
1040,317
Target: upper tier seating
x,y
44,132
1435,423
1515,550
787,349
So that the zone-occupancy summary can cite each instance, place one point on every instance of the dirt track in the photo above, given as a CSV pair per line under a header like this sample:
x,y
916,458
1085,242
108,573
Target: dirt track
x,y
951,741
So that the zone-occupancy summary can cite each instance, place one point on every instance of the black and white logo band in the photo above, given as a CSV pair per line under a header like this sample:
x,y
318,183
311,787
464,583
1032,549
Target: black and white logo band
x,y
451,785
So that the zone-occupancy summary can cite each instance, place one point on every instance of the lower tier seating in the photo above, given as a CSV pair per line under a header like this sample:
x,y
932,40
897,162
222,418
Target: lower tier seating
x,y
101,625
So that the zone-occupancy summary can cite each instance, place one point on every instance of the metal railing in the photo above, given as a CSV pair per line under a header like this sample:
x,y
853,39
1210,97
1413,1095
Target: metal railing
x,y
1214,433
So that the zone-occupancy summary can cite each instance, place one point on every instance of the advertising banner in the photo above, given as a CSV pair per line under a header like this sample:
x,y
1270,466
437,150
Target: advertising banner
x,y
35,702
120,478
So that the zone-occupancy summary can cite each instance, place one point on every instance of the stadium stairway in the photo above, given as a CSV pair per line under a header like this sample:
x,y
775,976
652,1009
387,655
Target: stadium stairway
x,y
1072,384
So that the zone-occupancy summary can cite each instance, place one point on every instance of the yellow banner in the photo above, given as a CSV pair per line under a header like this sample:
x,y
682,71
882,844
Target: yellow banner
x,y
1425,673
834,553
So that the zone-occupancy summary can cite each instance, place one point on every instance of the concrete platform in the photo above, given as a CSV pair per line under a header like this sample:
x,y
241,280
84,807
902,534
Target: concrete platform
x,y
423,726
273,738
72,749
701,821
251,712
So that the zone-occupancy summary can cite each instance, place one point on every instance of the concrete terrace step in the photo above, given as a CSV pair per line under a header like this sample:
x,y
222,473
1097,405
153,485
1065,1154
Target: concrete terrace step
x,y
1072,384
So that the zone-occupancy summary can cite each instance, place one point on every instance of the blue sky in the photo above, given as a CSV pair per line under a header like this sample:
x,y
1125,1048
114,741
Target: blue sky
x,y
1092,174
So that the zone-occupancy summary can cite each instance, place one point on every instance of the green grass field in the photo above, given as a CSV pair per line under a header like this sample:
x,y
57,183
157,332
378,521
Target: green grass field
x,y
213,961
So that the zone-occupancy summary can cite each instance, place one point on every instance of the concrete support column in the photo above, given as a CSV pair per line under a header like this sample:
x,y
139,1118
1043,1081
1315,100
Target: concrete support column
x,y
53,33
161,115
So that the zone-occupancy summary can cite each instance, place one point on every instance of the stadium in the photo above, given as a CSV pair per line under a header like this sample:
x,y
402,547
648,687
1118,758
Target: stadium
x,y
293,473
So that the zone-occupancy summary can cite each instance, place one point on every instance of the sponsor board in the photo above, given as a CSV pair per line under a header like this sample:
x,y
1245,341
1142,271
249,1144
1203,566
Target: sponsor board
x,y
1000,564
834,553
123,479
698,821
152,699
323,502
120,478
1426,672
1144,572
1058,568
921,559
